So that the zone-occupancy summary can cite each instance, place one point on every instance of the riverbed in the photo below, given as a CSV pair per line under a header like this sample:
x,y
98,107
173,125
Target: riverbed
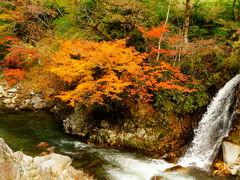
x,y
22,131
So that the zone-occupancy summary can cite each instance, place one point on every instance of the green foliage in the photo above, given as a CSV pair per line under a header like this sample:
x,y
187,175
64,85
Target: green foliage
x,y
65,28
232,62
179,102
196,31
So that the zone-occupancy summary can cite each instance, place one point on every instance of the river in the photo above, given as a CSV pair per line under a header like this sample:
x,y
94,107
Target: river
x,y
22,131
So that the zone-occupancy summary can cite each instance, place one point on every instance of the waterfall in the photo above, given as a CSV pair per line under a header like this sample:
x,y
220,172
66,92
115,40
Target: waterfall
x,y
214,126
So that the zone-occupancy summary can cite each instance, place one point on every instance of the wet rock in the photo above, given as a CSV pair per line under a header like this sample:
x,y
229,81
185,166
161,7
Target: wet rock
x,y
43,145
44,153
156,178
176,168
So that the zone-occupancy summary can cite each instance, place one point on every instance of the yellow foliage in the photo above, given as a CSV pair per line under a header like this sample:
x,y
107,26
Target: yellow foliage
x,y
98,70
95,71
6,17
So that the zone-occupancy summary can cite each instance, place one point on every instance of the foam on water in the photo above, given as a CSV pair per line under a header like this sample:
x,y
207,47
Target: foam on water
x,y
76,144
125,166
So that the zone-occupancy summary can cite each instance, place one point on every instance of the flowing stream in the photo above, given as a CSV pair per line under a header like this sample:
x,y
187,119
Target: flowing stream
x,y
214,126
24,130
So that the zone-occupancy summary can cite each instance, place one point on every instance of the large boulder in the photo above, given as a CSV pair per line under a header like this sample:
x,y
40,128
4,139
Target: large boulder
x,y
231,157
231,152
18,166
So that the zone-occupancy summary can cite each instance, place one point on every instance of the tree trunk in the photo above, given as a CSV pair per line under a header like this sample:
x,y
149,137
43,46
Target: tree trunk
x,y
187,21
165,23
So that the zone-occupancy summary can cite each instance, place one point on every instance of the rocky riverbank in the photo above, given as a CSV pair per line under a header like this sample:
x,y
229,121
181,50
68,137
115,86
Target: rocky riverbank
x,y
13,99
18,166
141,129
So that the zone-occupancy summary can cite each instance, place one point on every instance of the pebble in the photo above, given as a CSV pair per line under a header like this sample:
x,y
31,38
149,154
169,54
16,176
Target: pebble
x,y
4,93
13,90
11,106
7,101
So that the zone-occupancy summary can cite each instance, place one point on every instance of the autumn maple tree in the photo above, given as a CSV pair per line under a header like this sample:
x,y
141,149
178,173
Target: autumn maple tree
x,y
18,59
95,71
163,35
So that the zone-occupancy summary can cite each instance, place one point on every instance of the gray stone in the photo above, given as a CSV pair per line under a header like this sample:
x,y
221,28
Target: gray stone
x,y
5,94
231,152
39,105
25,106
13,101
7,101
11,106
234,169
36,99
13,90
18,166
1,89
32,93
27,101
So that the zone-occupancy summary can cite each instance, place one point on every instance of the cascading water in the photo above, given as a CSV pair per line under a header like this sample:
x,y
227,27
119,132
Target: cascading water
x,y
214,126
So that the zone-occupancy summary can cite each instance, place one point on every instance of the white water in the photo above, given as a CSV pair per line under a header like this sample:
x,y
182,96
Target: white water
x,y
214,126
125,166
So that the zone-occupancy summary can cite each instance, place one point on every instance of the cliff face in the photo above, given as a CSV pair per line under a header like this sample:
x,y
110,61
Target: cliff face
x,y
18,166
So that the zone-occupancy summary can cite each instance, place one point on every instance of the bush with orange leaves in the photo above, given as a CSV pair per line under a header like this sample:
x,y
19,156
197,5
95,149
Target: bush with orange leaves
x,y
17,62
95,71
